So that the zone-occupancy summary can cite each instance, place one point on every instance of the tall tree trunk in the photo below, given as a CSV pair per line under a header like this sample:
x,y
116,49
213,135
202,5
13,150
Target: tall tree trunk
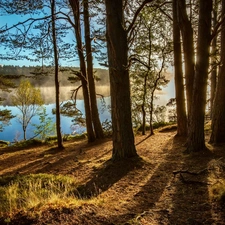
x,y
58,123
151,111
24,132
178,76
196,137
143,105
123,137
218,118
213,78
94,108
75,5
188,48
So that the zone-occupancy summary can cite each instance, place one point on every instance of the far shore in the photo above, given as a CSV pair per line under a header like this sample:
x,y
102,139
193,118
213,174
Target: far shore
x,y
48,93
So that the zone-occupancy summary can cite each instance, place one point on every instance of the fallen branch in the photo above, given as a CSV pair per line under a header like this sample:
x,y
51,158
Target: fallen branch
x,y
180,172
188,172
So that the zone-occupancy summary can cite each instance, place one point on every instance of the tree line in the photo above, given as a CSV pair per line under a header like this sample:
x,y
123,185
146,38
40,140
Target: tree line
x,y
137,41
39,79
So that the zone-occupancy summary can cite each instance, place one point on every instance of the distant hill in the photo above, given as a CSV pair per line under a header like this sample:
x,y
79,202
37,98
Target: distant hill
x,y
45,76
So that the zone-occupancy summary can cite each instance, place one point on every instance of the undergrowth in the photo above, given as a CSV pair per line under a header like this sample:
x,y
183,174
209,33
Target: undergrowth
x,y
22,193
217,192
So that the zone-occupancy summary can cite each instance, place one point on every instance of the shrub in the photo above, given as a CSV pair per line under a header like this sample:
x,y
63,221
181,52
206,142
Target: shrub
x,y
4,143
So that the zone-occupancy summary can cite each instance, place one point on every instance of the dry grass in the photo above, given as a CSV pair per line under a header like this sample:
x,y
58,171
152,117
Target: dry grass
x,y
34,191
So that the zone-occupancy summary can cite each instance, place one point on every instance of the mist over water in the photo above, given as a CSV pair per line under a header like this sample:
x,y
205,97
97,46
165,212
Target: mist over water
x,y
48,94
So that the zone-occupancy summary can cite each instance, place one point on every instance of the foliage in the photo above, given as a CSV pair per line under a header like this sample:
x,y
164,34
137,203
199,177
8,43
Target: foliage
x,y
107,128
46,127
5,117
150,54
160,114
172,115
28,100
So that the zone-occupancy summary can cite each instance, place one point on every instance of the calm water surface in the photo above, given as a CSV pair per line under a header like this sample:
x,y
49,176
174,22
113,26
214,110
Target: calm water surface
x,y
14,130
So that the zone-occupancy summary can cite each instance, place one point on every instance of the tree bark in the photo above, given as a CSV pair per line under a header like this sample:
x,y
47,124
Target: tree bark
x,y
188,48
196,137
178,76
57,113
91,83
143,105
117,44
213,78
75,5
218,118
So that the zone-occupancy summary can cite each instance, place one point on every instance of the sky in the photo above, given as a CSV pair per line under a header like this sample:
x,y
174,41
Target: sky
x,y
11,20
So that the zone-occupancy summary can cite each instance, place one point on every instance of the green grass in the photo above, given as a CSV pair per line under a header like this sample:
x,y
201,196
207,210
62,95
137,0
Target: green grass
x,y
49,140
53,139
28,143
4,143
35,191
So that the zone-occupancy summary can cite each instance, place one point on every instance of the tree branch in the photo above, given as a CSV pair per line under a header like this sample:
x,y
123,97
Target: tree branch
x,y
137,12
216,30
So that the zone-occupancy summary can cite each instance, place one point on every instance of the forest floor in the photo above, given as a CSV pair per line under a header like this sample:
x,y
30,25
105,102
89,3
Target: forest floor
x,y
162,186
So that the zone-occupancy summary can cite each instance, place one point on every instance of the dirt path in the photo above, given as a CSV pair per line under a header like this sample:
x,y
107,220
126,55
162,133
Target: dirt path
x,y
138,191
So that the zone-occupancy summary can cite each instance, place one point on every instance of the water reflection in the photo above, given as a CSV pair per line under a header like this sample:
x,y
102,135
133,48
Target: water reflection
x,y
14,131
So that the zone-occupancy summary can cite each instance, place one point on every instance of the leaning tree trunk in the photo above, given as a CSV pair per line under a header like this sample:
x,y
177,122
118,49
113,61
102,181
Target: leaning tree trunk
x,y
218,117
196,137
57,113
188,48
75,5
91,83
123,137
178,76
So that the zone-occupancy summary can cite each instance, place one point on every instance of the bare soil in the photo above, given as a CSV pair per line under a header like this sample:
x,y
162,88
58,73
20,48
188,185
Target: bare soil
x,y
162,186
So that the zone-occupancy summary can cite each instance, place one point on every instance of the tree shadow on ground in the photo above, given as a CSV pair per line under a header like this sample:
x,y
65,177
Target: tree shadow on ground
x,y
168,199
106,175
151,194
190,203
51,160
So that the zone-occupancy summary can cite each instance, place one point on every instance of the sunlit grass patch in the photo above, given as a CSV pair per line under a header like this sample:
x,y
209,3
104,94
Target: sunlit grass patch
x,y
217,192
35,191
4,143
